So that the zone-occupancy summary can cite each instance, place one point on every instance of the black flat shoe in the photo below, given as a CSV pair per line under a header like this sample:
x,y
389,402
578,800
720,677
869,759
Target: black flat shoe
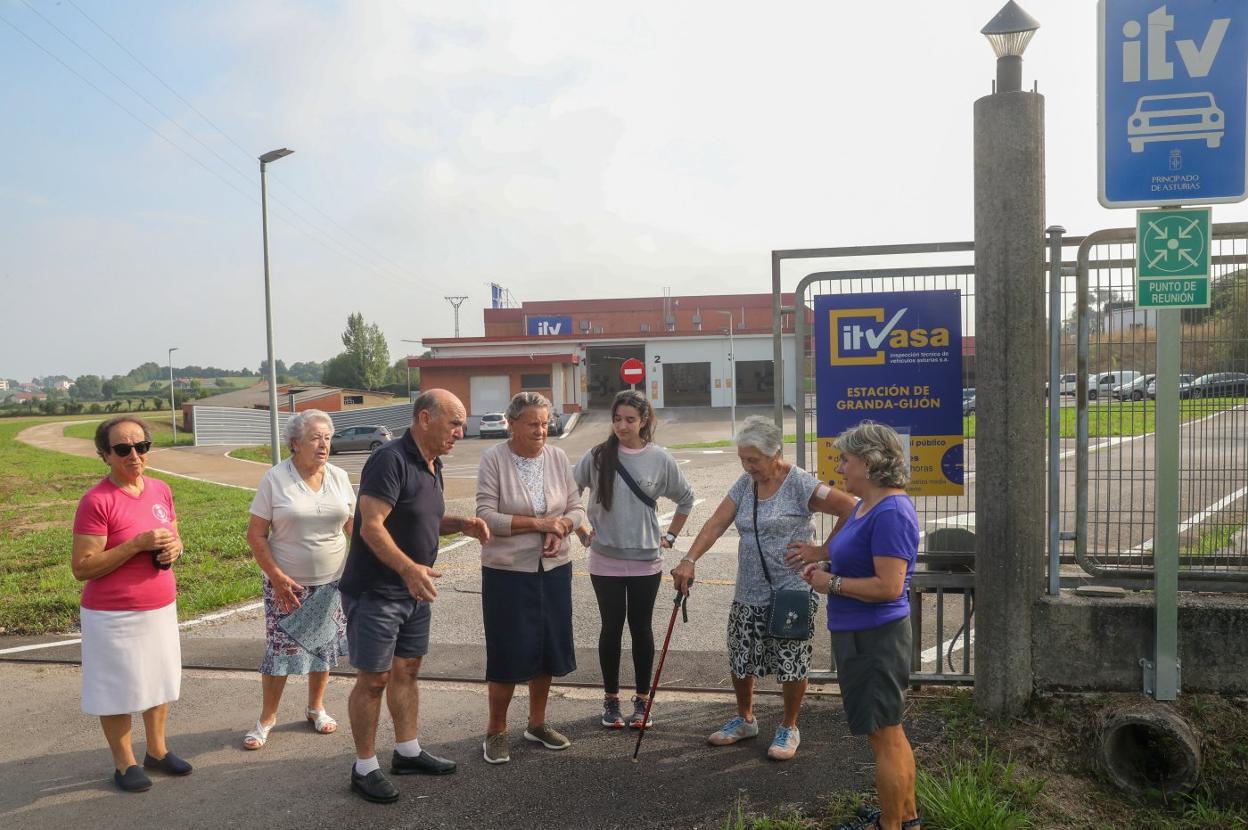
x,y
170,764
132,780
422,764
374,787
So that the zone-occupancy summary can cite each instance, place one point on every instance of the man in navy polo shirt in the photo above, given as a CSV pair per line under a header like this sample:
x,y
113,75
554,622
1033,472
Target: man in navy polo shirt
x,y
387,586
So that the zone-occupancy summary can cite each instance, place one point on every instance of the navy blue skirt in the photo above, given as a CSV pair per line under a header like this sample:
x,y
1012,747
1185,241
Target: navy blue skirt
x,y
528,624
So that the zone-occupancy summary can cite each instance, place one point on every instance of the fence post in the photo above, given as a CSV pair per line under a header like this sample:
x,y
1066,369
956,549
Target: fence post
x,y
1055,408
1010,350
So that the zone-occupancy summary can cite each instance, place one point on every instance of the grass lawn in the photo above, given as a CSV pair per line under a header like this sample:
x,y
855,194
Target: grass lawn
x,y
39,492
161,435
261,453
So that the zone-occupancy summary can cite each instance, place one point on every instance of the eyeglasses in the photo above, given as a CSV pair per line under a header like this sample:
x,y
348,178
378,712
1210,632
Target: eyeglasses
x,y
124,449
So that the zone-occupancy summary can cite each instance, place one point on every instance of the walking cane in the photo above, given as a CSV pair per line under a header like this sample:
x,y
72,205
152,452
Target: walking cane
x,y
682,605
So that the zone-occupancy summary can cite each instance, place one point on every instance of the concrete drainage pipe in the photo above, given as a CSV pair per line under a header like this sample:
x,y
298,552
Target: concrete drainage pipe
x,y
1150,748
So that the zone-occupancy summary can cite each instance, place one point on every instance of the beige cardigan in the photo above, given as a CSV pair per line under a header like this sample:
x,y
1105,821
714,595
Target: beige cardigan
x,y
501,495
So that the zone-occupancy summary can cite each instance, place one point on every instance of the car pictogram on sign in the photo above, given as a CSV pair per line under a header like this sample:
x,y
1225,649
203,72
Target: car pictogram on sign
x,y
1181,117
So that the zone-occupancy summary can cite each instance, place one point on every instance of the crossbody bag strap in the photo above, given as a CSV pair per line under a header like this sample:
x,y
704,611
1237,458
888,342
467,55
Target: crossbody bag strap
x,y
632,485
757,542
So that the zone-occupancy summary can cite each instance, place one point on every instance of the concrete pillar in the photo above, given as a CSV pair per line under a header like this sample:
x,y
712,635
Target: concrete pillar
x,y
1010,344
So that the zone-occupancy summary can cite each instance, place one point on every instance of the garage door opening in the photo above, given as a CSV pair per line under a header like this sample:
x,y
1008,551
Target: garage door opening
x,y
603,373
686,384
756,382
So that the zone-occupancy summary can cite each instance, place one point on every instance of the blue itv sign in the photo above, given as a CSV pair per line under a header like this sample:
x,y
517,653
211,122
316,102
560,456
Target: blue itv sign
x,y
1173,94
549,326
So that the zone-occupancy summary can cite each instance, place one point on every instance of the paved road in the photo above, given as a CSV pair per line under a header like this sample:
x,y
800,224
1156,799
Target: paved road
x,y
56,771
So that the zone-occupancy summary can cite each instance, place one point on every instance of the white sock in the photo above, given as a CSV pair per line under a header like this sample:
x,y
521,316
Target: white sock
x,y
408,749
364,766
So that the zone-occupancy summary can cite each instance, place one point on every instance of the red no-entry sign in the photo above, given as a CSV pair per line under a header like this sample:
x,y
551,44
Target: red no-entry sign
x,y
633,371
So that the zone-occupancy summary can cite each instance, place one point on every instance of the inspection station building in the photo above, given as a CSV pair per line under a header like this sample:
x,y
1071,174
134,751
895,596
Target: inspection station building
x,y
571,351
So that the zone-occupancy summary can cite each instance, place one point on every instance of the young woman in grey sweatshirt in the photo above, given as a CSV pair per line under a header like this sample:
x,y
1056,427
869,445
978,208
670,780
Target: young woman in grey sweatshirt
x,y
624,539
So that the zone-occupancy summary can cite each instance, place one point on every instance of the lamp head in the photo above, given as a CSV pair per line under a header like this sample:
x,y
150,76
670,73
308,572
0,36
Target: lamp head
x,y
274,155
1008,33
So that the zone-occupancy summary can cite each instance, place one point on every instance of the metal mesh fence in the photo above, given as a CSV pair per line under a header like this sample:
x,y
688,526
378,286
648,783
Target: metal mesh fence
x,y
1117,531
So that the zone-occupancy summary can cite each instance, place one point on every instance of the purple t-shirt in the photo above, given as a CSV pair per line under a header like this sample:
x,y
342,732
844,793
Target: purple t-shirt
x,y
891,528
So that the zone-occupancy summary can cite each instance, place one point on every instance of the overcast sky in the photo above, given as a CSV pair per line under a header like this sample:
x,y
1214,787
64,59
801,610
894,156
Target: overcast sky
x,y
564,150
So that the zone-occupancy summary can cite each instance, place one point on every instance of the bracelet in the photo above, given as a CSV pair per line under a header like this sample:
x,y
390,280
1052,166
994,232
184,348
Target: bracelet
x,y
835,586
691,562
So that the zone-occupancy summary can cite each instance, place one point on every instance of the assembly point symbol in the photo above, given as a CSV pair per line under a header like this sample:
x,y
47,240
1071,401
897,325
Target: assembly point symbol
x,y
1173,244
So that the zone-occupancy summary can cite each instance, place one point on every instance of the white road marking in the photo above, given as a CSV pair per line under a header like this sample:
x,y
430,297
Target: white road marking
x,y
1196,518
667,516
219,615
948,647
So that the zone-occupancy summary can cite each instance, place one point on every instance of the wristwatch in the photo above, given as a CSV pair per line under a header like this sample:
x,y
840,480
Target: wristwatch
x,y
670,538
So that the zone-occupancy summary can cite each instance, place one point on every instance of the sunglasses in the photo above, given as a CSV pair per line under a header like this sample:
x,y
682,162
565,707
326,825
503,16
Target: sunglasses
x,y
124,449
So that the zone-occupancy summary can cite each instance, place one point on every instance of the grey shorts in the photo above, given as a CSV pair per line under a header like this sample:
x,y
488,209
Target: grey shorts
x,y
873,671
381,627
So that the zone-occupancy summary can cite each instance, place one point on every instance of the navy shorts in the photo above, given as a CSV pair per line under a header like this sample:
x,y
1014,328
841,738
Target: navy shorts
x,y
528,624
381,627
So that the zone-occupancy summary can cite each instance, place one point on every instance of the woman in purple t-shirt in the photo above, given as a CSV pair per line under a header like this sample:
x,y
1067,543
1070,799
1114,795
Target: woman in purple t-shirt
x,y
867,576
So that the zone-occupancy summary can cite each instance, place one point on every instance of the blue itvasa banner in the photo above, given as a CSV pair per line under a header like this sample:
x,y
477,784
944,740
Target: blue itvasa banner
x,y
894,358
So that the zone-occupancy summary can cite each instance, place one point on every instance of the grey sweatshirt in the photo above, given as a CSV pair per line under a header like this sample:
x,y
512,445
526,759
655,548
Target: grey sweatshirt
x,y
630,530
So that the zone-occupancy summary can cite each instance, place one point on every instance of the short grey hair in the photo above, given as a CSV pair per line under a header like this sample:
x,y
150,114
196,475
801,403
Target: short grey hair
x,y
761,433
523,400
880,447
426,401
299,423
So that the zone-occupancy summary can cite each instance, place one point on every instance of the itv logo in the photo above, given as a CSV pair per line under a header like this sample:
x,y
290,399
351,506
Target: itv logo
x,y
856,342
548,326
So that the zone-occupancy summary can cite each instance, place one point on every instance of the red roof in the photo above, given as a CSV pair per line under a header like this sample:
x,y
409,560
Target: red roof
x,y
492,360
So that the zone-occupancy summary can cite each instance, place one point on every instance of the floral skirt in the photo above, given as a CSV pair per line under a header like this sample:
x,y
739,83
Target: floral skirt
x,y
310,638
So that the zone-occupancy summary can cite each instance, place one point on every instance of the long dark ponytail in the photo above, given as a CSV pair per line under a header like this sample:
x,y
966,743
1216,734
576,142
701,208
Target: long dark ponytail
x,y
607,454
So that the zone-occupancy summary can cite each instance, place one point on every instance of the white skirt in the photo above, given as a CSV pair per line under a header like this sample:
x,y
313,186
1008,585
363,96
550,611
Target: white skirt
x,y
131,660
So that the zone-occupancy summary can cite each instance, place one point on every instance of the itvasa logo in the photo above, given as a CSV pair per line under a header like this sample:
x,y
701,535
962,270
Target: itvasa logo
x,y
856,342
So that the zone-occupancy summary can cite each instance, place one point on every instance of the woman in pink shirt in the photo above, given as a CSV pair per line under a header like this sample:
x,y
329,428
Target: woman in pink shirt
x,y
125,542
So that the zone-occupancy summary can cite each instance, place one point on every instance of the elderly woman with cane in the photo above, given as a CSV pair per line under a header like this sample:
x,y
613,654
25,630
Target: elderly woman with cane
x,y
529,500
301,518
866,578
771,506
125,541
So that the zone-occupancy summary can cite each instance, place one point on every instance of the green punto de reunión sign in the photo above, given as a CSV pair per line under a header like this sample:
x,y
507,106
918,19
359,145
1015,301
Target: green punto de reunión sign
x,y
1172,258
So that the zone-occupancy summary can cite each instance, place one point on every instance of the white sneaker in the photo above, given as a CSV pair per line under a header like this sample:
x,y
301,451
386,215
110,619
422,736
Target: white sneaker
x,y
784,745
737,729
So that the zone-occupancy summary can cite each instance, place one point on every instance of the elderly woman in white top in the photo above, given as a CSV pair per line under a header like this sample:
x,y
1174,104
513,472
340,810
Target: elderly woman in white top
x,y
300,522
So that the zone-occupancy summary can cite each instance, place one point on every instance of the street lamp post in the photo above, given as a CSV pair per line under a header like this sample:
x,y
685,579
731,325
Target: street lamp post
x,y
271,156
173,418
732,369
409,367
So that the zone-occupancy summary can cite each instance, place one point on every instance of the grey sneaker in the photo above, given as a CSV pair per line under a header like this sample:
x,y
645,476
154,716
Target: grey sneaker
x,y
495,749
611,717
639,713
784,745
547,737
737,729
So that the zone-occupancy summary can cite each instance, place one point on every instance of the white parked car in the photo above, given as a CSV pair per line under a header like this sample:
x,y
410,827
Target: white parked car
x,y
493,425
1068,384
1104,384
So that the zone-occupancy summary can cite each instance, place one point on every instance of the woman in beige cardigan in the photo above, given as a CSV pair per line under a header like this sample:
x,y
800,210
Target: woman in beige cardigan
x,y
527,496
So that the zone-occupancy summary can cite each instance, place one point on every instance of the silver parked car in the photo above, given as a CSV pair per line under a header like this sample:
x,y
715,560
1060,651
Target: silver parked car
x,y
493,425
367,438
1184,382
1134,390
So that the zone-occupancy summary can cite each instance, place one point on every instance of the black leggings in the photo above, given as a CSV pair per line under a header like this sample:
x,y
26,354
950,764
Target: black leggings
x,y
631,597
